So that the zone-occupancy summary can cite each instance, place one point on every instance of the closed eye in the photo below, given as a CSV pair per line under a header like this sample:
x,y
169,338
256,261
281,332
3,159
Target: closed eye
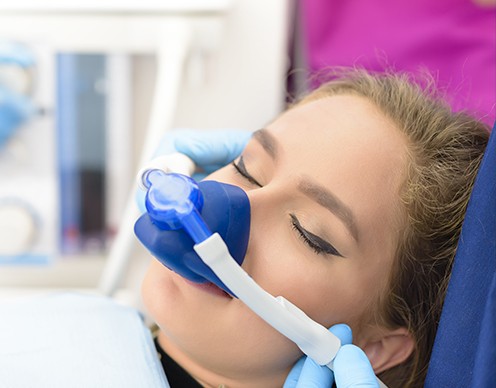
x,y
241,169
316,243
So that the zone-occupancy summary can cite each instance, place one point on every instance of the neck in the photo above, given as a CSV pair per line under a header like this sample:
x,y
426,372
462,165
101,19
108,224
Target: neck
x,y
208,377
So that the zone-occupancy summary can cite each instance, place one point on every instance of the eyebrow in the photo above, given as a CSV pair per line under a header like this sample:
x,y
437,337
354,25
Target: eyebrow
x,y
318,193
327,199
267,141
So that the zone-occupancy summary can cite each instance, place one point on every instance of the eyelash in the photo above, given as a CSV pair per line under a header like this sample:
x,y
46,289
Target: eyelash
x,y
241,170
320,247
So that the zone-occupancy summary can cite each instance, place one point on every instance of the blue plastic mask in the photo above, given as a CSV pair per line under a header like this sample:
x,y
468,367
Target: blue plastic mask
x,y
173,202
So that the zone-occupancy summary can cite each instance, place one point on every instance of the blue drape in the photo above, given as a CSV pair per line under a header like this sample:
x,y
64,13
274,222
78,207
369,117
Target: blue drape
x,y
464,353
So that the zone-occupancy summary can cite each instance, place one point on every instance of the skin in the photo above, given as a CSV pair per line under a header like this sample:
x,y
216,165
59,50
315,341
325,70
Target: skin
x,y
344,144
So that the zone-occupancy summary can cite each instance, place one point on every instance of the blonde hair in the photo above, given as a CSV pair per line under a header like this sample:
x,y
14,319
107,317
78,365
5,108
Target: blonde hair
x,y
445,151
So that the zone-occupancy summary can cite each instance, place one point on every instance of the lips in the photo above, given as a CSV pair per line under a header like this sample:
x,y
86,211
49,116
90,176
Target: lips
x,y
210,288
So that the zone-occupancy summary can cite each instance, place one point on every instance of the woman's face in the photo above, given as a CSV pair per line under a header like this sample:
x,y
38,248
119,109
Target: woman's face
x,y
323,182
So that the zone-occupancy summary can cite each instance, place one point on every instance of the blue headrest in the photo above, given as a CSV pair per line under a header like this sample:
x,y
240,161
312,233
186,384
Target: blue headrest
x,y
464,353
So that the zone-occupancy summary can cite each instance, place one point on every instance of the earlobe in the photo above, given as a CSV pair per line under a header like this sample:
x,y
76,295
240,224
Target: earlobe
x,y
390,350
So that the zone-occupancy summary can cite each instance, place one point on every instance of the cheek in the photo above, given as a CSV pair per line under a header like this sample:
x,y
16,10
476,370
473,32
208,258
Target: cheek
x,y
329,290
154,289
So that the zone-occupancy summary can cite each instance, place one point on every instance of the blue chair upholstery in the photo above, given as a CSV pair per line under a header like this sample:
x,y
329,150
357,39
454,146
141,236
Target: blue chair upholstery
x,y
464,353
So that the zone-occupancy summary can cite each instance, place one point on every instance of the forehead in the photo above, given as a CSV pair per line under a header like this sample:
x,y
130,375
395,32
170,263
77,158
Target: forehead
x,y
350,126
352,119
346,144
351,123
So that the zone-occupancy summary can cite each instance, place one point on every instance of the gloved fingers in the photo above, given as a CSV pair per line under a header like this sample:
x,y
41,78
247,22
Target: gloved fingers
x,y
166,145
307,373
209,149
16,54
343,332
14,110
314,375
352,369
216,148
294,374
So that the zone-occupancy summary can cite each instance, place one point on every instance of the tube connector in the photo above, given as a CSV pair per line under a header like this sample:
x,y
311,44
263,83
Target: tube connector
x,y
174,201
175,162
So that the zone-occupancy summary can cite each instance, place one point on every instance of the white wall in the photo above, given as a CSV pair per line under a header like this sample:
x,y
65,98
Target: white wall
x,y
241,85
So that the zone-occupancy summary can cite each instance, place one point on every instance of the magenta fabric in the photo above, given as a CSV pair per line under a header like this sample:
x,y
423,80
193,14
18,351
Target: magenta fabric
x,y
454,39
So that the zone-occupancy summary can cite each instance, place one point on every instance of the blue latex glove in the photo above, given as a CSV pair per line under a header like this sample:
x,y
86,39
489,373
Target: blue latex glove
x,y
352,368
13,53
14,110
209,149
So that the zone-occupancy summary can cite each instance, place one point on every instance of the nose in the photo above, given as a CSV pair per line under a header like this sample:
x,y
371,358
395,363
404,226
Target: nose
x,y
267,206
225,210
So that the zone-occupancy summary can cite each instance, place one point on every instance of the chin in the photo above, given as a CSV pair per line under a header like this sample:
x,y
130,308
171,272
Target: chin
x,y
179,307
158,291
218,333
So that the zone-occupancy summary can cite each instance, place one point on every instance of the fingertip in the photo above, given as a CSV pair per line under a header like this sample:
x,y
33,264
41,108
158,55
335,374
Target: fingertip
x,y
315,375
294,374
351,365
166,144
191,147
343,332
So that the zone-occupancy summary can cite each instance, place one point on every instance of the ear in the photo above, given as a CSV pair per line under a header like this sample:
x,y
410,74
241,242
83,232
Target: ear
x,y
390,349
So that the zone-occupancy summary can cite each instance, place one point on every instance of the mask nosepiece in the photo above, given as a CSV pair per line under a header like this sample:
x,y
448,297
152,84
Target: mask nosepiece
x,y
182,212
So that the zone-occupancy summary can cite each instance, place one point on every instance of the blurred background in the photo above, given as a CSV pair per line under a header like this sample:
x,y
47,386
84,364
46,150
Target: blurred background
x,y
88,87
82,83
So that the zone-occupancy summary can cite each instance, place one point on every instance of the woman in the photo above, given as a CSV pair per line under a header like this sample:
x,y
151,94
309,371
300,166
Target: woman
x,y
358,193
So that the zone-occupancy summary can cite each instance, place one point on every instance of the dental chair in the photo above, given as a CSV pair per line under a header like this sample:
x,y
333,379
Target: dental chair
x,y
464,353
90,341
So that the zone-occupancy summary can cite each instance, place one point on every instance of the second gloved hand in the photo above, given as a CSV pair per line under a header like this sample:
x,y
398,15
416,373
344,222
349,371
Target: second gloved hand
x,y
209,150
352,368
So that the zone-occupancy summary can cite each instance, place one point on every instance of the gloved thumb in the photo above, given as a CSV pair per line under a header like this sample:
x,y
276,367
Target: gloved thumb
x,y
352,369
213,148
308,373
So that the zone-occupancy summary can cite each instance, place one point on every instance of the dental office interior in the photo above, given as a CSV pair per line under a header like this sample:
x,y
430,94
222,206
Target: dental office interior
x,y
88,89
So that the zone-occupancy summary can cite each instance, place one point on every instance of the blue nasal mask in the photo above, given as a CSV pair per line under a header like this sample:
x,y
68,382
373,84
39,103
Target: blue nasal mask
x,y
201,231
181,213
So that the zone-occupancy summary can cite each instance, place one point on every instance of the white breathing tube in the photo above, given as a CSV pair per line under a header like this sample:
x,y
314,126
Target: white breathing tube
x,y
313,339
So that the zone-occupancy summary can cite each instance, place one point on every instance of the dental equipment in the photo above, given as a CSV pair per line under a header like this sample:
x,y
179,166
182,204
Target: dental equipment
x,y
176,202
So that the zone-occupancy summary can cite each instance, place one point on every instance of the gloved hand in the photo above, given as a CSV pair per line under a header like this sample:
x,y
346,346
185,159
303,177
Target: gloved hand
x,y
14,110
13,53
209,149
352,368
15,106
